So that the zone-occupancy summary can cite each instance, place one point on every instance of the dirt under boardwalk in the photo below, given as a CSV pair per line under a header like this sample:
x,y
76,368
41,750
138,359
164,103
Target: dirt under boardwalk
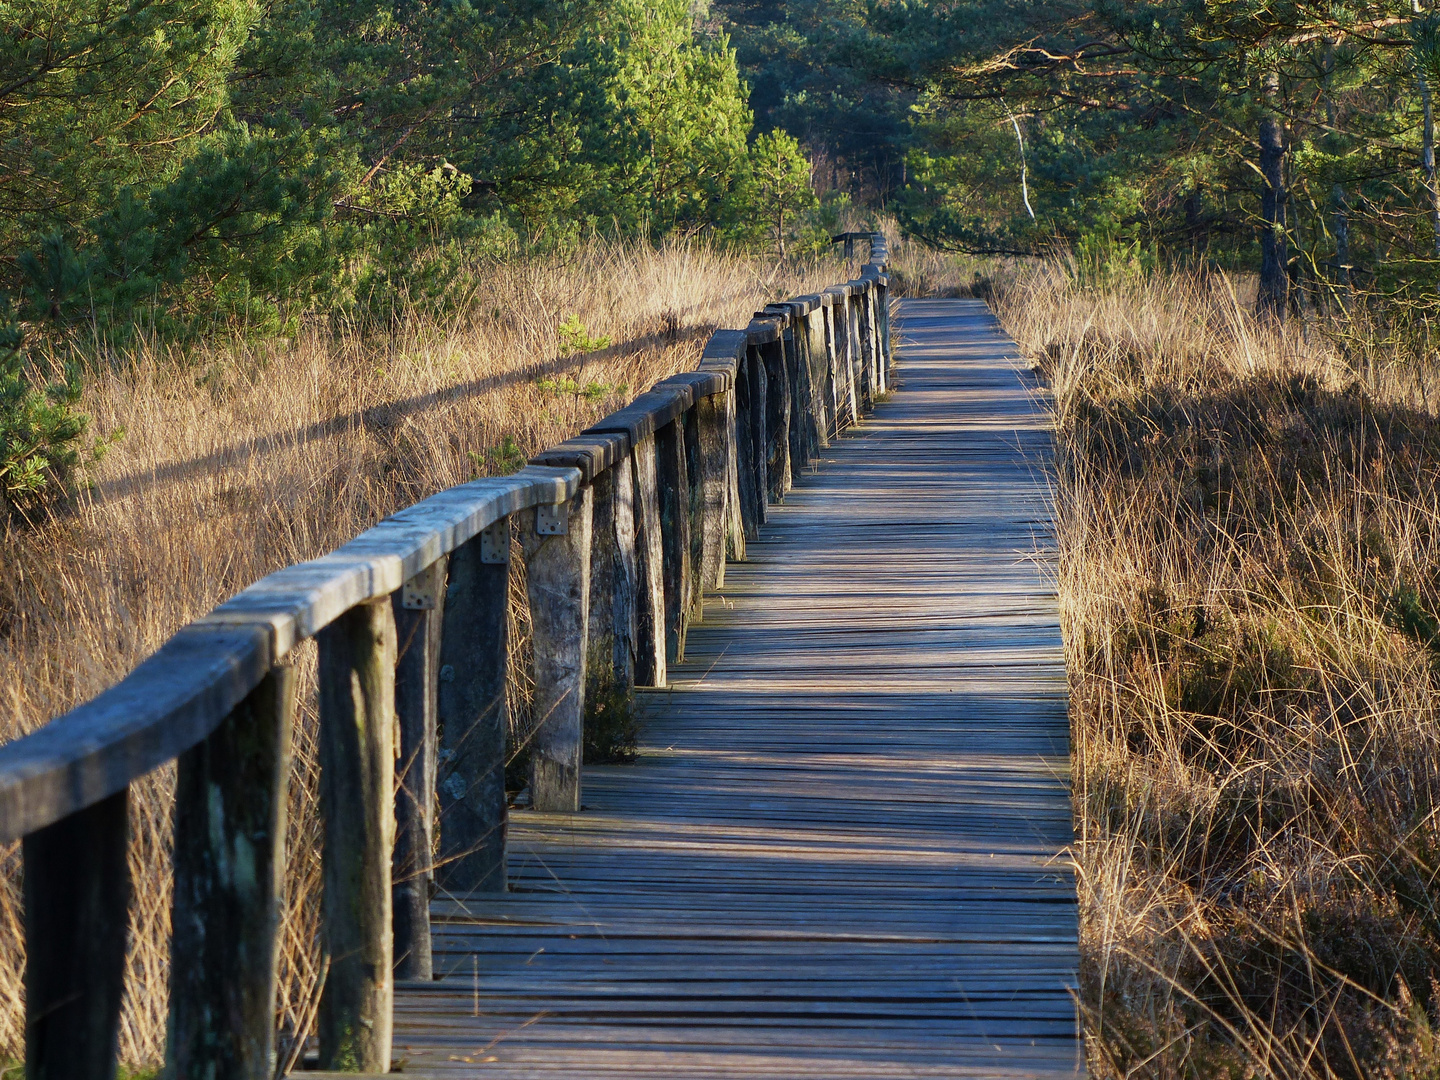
x,y
840,851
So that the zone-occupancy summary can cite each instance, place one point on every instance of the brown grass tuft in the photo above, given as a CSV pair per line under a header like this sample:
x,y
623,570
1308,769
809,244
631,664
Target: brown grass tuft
x,y
237,459
1249,561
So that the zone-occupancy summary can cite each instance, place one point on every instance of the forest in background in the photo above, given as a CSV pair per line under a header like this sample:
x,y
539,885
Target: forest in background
x,y
180,169
183,168
1292,140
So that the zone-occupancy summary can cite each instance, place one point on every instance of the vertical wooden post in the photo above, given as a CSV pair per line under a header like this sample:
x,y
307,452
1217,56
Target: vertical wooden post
x,y
877,340
610,661
650,668
745,446
675,529
472,714
871,344
734,517
229,858
872,317
777,421
715,454
834,346
802,408
846,333
759,433
557,571
626,597
695,470
419,609
357,804
866,351
77,910
882,300
822,390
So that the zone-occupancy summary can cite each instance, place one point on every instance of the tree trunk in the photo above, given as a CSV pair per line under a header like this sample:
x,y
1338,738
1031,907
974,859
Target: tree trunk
x,y
1195,220
1427,162
1273,299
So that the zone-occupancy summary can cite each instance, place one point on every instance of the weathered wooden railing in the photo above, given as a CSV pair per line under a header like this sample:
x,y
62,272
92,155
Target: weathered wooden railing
x,y
622,528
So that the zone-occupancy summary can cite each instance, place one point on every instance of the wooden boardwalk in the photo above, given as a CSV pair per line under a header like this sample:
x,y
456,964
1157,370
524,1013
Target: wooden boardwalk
x,y
839,854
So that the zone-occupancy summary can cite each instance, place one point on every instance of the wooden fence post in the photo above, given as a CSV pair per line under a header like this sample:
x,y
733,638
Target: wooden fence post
x,y
834,355
229,858
473,714
557,570
716,453
777,421
610,664
804,445
650,667
865,350
822,392
419,609
745,447
77,911
357,804
734,514
882,298
675,530
757,426
872,322
845,311
695,470
876,336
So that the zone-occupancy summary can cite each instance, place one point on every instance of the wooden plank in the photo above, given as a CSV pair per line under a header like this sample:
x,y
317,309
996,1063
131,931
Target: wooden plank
x,y
472,713
650,666
613,632
557,577
648,413
168,704
778,464
419,609
300,600
839,854
714,484
77,910
357,807
230,796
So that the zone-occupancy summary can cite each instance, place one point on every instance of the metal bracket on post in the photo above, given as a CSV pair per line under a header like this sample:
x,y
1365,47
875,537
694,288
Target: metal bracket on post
x,y
495,543
421,591
552,520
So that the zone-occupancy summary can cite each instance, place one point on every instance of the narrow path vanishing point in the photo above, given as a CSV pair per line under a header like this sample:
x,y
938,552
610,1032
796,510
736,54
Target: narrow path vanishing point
x,y
839,853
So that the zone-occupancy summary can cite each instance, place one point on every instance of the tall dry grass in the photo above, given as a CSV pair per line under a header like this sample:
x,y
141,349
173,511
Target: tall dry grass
x,y
238,459
1249,573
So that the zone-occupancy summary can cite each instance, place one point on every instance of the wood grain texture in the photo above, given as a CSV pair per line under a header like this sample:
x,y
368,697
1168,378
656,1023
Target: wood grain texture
x,y
649,568
610,645
417,677
178,696
77,897
840,853
675,523
557,579
357,806
472,716
229,858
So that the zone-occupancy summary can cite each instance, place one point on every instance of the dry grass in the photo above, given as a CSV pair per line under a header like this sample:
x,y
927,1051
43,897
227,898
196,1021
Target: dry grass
x,y
1249,538
240,459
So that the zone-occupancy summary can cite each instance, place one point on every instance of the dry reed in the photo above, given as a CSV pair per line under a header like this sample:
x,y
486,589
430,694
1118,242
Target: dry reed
x,y
238,459
1249,574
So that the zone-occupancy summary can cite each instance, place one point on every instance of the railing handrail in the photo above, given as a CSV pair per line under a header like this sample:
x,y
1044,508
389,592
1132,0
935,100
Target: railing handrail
x,y
177,698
